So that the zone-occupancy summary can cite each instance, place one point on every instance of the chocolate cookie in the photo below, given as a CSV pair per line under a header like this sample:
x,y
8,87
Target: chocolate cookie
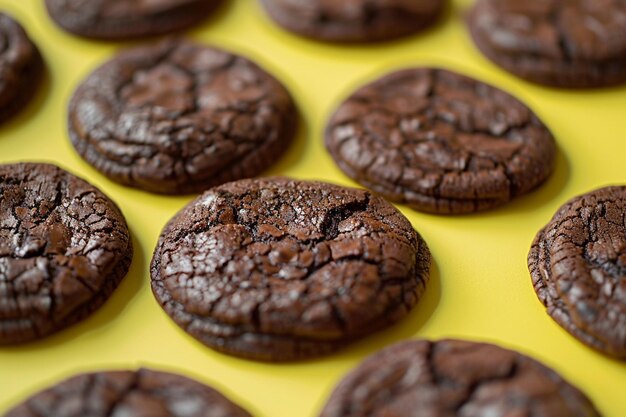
x,y
277,269
578,267
440,142
21,67
454,378
142,393
125,19
354,20
177,117
560,43
64,247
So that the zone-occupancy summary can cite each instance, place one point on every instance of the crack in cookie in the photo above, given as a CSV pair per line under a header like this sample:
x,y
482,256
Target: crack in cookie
x,y
178,117
278,269
440,142
64,248
578,267
454,378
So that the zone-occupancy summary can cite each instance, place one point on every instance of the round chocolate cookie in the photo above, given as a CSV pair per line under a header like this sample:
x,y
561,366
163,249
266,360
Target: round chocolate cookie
x,y
176,117
454,378
578,267
277,269
142,393
354,20
21,67
64,247
560,43
440,142
125,19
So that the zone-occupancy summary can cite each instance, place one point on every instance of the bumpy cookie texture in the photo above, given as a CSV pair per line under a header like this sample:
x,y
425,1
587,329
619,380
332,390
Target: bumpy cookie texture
x,y
354,20
21,67
125,19
142,393
64,247
177,117
560,43
440,142
453,378
278,269
578,267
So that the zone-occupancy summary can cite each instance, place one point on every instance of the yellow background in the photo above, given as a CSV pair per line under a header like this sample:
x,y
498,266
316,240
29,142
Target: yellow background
x,y
480,287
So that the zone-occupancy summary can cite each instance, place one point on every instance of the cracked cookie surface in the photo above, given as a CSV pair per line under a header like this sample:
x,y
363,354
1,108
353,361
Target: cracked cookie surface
x,y
578,268
440,142
142,393
560,43
178,117
354,20
64,247
278,269
125,19
21,67
453,378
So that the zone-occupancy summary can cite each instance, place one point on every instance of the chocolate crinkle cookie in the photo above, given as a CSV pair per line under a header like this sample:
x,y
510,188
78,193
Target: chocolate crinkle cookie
x,y
454,378
142,393
578,268
126,19
21,68
178,117
559,43
440,142
278,269
64,247
354,20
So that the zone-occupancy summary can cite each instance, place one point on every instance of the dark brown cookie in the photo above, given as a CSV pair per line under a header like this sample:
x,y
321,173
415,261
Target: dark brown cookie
x,y
578,267
21,67
354,20
177,117
64,247
440,142
278,269
560,43
454,378
142,393
125,19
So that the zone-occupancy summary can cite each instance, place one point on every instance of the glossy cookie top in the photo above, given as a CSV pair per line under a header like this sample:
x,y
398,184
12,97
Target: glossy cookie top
x,y
124,19
576,29
64,247
142,393
440,142
354,20
278,269
21,67
178,117
563,43
578,267
454,378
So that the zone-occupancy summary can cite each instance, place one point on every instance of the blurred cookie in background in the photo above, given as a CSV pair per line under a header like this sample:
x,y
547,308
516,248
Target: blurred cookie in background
x,y
21,67
141,393
559,43
354,20
125,19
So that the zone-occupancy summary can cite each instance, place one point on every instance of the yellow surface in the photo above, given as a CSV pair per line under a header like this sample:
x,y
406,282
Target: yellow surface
x,y
480,287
